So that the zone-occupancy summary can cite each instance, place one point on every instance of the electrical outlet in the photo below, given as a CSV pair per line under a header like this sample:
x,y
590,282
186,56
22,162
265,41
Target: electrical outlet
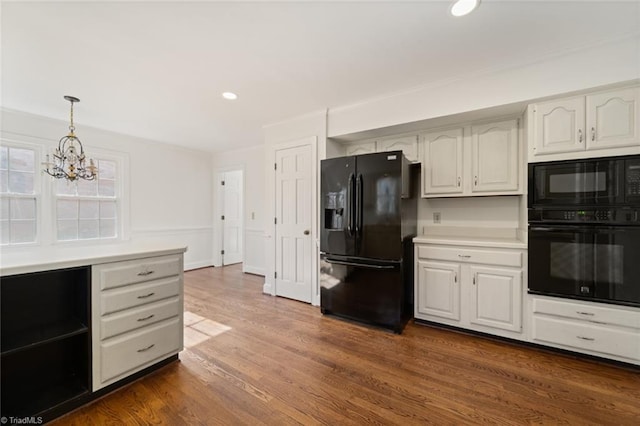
x,y
436,217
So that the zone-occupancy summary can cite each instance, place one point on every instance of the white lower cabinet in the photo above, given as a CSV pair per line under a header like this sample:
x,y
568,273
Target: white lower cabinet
x,y
593,328
496,297
481,290
137,315
441,298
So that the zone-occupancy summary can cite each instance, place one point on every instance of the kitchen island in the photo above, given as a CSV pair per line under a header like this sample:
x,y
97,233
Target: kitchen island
x,y
80,322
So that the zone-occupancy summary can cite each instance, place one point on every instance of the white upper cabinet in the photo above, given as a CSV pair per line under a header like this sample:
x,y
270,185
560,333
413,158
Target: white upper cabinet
x,y
407,144
482,159
613,119
442,163
559,126
601,124
494,155
360,148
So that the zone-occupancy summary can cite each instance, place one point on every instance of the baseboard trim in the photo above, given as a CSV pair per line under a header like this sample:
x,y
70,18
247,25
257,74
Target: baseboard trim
x,y
197,265
248,269
267,289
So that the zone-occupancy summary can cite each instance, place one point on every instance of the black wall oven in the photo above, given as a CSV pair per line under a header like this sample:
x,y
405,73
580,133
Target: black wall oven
x,y
584,229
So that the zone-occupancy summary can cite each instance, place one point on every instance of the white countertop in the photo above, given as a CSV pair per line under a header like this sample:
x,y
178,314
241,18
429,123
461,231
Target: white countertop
x,y
494,242
33,259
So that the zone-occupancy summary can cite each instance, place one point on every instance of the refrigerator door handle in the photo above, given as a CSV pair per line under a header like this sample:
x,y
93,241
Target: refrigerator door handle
x,y
350,205
359,190
359,265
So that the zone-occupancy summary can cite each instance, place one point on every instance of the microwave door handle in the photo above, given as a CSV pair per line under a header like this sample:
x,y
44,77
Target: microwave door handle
x,y
563,228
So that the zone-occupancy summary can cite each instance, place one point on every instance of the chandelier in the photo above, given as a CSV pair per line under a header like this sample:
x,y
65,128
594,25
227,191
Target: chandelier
x,y
69,159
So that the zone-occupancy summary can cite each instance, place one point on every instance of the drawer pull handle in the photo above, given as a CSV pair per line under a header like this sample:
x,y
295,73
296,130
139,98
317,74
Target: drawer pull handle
x,y
145,273
146,318
591,339
585,313
464,256
147,348
146,295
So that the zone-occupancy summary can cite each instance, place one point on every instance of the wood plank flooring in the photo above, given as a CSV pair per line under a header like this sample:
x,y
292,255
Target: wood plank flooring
x,y
282,362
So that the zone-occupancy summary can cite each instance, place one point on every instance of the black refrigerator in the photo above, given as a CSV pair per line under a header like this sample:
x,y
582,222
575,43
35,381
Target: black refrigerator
x,y
368,221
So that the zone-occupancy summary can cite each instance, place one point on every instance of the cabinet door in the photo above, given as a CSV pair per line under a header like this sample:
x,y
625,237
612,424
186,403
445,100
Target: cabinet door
x,y
494,154
442,163
360,148
559,126
613,119
408,145
438,290
496,297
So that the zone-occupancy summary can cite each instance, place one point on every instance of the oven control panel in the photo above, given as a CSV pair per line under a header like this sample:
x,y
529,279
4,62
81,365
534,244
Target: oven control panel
x,y
606,216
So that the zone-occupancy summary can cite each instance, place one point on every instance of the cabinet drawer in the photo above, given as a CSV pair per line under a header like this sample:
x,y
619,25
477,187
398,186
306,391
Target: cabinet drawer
x,y
582,335
120,355
626,317
132,319
139,294
487,257
119,274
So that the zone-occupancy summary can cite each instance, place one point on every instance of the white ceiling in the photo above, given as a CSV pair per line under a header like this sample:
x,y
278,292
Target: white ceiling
x,y
157,69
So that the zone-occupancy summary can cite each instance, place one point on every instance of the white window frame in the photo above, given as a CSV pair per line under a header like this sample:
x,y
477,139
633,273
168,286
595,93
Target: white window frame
x,y
37,190
121,198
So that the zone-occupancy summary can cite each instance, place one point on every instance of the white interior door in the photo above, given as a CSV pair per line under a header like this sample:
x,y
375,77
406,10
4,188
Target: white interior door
x,y
231,203
293,223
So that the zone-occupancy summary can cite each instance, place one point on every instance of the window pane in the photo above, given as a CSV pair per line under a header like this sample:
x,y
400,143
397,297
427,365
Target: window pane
x,y
23,231
87,187
108,228
4,157
64,187
107,209
4,232
88,229
4,181
67,209
22,159
89,209
21,182
67,230
106,169
23,208
4,208
107,188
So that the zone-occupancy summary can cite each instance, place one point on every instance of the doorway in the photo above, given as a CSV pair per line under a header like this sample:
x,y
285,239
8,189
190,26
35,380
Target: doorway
x,y
230,214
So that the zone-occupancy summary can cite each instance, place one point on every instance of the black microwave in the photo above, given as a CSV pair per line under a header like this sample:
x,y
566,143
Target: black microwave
x,y
606,181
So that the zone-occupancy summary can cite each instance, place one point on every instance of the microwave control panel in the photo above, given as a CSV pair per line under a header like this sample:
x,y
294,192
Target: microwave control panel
x,y
633,177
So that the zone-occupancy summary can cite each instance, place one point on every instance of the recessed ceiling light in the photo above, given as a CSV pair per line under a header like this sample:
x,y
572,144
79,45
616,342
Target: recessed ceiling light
x,y
230,95
463,7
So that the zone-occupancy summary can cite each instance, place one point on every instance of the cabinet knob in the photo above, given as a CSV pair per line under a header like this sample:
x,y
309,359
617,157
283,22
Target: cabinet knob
x,y
458,180
580,135
306,232
593,134
475,180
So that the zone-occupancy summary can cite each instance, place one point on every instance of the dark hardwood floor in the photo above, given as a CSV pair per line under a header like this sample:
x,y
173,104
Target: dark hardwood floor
x,y
276,361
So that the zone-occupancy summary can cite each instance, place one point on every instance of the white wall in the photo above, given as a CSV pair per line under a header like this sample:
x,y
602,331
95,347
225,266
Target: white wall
x,y
169,186
251,161
470,212
571,71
